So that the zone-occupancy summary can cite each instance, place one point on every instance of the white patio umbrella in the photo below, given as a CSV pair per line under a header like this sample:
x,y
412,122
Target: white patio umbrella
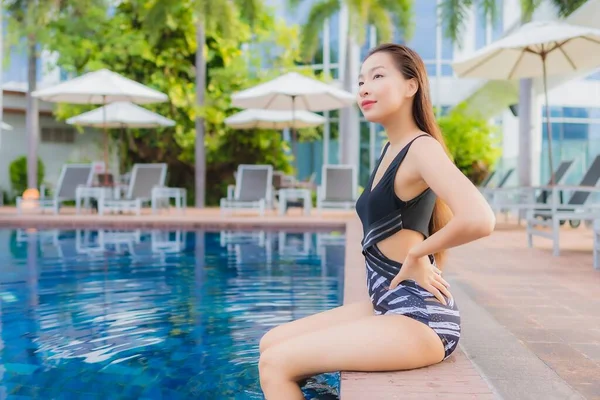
x,y
269,119
5,126
537,48
100,87
121,114
295,92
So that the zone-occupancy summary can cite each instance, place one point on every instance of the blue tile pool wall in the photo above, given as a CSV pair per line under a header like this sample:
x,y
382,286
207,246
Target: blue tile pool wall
x,y
155,315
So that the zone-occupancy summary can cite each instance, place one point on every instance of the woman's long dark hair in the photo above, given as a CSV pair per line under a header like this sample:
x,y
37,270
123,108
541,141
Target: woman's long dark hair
x,y
410,64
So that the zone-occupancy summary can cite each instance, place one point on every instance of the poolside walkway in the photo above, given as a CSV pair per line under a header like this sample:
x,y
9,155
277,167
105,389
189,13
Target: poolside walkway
x,y
531,321
208,218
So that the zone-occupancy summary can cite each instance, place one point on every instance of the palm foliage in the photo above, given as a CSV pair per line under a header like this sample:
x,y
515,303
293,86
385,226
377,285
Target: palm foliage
x,y
454,12
211,17
385,15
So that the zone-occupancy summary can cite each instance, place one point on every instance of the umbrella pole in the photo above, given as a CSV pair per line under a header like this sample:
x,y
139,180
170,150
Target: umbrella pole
x,y
105,141
294,146
548,124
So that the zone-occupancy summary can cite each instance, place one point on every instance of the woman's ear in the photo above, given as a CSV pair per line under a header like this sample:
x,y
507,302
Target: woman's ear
x,y
413,86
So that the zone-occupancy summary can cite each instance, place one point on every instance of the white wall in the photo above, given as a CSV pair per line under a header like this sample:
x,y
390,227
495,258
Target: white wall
x,y
54,155
576,93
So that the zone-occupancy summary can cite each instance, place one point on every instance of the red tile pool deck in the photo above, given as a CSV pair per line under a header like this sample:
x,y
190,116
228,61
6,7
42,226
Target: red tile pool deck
x,y
547,306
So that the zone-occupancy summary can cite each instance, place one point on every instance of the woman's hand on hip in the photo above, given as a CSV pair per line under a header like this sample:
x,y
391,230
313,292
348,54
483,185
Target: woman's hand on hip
x,y
427,275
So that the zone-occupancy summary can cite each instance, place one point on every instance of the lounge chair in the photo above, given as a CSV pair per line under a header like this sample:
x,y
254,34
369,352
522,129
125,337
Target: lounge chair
x,y
339,187
578,208
488,191
487,179
522,198
253,189
71,176
144,178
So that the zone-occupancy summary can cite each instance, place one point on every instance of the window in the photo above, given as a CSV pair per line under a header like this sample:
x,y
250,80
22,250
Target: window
x,y
334,38
572,112
480,27
575,136
595,76
498,24
483,30
423,40
58,135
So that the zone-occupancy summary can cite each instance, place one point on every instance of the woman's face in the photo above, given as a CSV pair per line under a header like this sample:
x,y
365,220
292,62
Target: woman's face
x,y
383,90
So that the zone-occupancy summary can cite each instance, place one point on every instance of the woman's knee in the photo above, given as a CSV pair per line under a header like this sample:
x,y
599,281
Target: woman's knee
x,y
268,339
272,366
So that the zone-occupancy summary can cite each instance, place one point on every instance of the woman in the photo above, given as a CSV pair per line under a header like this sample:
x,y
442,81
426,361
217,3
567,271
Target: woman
x,y
411,319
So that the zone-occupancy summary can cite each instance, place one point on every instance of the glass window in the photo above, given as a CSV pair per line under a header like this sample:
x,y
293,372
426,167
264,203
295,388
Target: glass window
x,y
430,69
17,66
566,130
447,70
576,112
595,76
572,112
498,24
364,157
575,141
334,38
424,38
447,46
364,49
480,27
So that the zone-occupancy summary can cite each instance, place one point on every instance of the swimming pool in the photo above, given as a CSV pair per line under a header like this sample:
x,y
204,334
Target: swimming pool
x,y
96,314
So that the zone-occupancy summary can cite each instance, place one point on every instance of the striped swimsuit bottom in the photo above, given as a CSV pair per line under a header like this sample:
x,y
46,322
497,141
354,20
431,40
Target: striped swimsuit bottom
x,y
410,299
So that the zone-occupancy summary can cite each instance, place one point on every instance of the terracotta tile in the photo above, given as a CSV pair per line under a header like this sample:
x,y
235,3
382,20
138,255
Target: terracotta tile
x,y
591,351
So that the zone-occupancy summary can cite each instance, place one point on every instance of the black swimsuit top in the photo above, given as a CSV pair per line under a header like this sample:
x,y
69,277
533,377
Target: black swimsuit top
x,y
383,214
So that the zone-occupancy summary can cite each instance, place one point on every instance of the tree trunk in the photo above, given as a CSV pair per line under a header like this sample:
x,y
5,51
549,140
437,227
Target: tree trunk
x,y
32,122
200,153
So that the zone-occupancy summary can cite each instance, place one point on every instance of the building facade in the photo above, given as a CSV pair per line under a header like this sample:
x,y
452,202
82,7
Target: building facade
x,y
59,143
575,100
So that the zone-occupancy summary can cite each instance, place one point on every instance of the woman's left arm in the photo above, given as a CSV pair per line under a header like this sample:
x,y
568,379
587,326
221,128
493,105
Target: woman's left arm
x,y
472,216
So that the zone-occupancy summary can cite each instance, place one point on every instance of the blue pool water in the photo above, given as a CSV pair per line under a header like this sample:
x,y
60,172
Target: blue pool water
x,y
95,314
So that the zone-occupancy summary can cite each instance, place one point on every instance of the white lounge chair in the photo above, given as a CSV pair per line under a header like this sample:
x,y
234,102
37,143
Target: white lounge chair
x,y
578,208
71,176
489,190
144,178
339,187
253,189
521,198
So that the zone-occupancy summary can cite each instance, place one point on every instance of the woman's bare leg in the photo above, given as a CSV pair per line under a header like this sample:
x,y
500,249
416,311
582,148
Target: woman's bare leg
x,y
373,343
326,319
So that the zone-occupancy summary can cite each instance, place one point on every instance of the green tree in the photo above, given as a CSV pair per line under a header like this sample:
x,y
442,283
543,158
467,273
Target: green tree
x,y
31,25
165,59
210,18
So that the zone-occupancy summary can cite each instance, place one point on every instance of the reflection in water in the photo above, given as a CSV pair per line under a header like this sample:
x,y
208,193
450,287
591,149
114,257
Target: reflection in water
x,y
154,314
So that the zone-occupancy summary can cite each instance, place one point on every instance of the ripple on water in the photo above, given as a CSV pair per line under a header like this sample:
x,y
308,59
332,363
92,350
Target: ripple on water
x,y
131,322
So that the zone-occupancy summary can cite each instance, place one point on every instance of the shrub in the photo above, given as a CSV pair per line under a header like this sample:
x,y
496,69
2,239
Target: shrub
x,y
473,142
18,174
